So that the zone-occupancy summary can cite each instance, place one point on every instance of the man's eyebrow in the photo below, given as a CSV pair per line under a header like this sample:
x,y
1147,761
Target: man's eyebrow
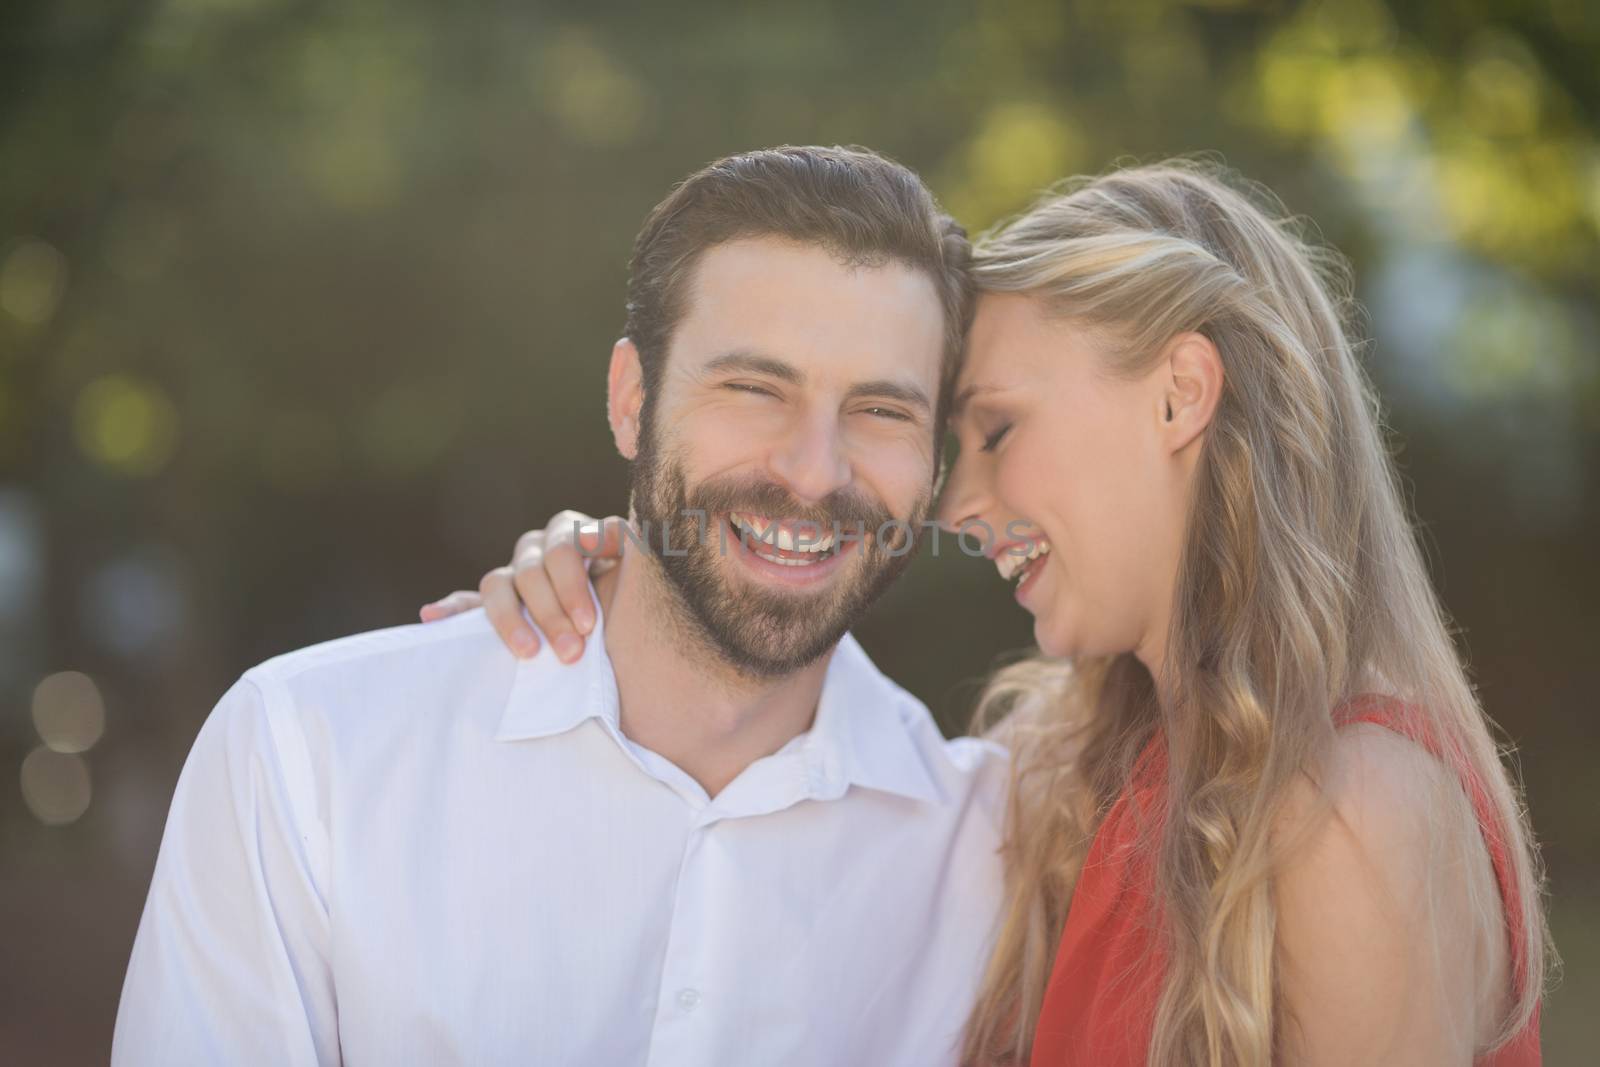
x,y
755,363
883,389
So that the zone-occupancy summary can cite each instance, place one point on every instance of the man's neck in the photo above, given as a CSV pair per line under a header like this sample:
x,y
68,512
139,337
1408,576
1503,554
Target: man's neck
x,y
679,697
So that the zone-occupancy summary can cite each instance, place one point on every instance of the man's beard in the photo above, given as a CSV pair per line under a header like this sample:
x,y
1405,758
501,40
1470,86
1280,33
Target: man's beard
x,y
762,631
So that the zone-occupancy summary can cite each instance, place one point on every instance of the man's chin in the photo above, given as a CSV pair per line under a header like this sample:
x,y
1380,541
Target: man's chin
x,y
764,619
769,632
773,663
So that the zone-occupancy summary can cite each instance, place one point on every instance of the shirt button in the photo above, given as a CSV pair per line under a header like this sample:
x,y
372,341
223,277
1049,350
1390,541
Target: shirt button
x,y
688,999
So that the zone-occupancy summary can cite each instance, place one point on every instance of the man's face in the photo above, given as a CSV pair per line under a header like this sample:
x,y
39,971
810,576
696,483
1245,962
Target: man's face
x,y
797,399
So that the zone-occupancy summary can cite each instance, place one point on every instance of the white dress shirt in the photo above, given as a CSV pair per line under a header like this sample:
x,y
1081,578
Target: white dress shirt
x,y
408,847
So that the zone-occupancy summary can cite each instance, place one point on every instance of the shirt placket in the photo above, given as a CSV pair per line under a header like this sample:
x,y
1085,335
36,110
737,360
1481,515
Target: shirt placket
x,y
691,1007
686,1001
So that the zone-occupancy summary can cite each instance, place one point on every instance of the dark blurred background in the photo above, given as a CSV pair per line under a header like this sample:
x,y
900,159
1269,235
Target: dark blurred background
x,y
305,308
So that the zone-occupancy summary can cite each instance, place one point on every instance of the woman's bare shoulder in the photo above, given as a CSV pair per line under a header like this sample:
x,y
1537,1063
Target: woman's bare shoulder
x,y
1390,941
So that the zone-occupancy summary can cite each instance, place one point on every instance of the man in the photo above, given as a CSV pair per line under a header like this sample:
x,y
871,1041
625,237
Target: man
x,y
723,837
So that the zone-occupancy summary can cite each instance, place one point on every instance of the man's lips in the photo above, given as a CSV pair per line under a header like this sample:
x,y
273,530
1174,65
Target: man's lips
x,y
793,538
791,568
766,526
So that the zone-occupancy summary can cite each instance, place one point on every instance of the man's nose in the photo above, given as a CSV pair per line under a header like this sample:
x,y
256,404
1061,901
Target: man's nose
x,y
812,460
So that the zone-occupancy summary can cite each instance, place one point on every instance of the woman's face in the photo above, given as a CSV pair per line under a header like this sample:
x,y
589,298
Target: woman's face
x,y
1060,455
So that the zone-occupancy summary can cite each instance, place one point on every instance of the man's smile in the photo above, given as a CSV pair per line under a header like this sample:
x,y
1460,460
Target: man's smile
x,y
796,553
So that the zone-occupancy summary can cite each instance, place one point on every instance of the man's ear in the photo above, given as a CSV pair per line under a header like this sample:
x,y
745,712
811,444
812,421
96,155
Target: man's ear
x,y
625,397
1191,373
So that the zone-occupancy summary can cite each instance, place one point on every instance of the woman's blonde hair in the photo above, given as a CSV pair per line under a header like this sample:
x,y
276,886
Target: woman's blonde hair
x,y
1301,585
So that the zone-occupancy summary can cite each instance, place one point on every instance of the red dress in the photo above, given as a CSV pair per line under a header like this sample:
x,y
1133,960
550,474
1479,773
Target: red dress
x,y
1100,1004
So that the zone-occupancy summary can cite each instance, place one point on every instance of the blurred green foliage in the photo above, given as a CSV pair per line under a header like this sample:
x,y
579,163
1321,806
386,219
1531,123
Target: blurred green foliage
x,y
304,308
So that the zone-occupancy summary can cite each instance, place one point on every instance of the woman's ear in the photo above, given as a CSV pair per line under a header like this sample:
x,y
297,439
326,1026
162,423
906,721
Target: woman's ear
x,y
625,397
1192,369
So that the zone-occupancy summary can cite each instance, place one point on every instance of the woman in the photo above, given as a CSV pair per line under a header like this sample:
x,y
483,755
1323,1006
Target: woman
x,y
1257,814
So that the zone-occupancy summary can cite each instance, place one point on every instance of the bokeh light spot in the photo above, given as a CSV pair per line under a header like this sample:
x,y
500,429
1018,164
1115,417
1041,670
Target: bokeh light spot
x,y
593,96
135,604
68,711
1502,90
1020,148
1366,102
22,543
55,786
126,425
33,277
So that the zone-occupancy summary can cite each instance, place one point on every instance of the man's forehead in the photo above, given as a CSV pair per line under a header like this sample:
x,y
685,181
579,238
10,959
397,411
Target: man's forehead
x,y
801,305
752,266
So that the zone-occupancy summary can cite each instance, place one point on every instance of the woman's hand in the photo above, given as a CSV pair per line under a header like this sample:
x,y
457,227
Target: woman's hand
x,y
549,576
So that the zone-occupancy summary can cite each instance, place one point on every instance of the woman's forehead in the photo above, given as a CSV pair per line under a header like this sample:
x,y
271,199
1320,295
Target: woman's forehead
x,y
1007,334
1017,340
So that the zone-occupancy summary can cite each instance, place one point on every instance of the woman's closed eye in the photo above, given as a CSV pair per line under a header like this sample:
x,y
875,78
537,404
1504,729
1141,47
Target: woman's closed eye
x,y
992,440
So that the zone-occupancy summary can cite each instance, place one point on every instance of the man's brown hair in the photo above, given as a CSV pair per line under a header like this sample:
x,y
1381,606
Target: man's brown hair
x,y
862,207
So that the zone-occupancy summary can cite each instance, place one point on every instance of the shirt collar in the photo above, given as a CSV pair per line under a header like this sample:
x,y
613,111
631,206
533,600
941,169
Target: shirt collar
x,y
864,723
549,697
861,734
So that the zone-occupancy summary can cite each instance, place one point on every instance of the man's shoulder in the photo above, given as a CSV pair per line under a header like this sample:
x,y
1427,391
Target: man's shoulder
x,y
391,675
967,769
962,754
418,648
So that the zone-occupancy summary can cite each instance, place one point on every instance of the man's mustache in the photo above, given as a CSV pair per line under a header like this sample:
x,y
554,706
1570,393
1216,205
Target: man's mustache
x,y
844,509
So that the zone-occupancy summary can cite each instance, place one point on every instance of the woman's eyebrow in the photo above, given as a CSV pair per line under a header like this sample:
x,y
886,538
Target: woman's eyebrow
x,y
967,394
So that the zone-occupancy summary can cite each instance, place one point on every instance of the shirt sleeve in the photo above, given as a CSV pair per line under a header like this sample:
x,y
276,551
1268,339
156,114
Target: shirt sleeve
x,y
231,961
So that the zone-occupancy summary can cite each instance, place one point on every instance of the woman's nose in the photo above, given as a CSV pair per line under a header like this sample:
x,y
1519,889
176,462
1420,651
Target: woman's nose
x,y
963,499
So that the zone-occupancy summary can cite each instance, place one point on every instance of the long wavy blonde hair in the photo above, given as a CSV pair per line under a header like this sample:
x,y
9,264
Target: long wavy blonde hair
x,y
1301,585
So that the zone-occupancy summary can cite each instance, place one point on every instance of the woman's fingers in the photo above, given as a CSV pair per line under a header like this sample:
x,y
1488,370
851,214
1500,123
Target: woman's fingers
x,y
548,577
602,543
574,527
538,595
454,604
563,568
501,605
577,548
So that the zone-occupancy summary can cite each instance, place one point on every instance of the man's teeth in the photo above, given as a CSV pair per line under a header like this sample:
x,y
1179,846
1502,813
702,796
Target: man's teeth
x,y
785,560
810,538
1010,562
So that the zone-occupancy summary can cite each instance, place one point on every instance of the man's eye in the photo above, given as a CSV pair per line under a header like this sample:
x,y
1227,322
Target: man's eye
x,y
746,387
990,442
887,413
